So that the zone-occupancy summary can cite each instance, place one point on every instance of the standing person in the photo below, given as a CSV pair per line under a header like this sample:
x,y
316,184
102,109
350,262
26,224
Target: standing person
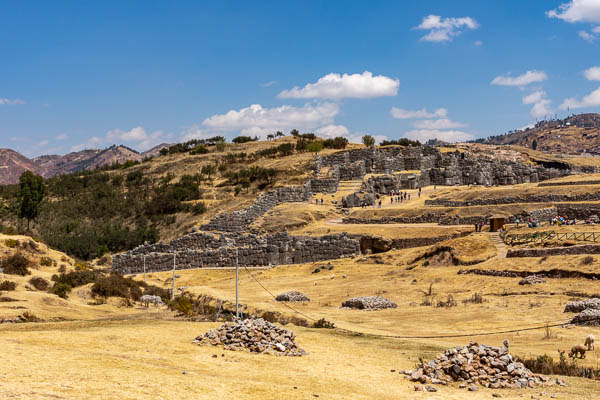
x,y
379,203
409,196
476,227
480,225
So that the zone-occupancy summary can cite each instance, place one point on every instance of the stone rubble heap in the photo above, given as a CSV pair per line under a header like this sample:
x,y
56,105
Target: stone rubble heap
x,y
579,306
489,366
589,317
369,303
292,296
532,280
255,335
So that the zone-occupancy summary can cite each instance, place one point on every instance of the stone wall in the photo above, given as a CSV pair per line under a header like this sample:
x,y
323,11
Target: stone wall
x,y
238,221
542,198
572,183
555,251
201,250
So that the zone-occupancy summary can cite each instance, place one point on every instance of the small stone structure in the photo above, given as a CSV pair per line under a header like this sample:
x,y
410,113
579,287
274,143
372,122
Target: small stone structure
x,y
588,317
369,303
253,335
489,366
532,280
293,297
581,305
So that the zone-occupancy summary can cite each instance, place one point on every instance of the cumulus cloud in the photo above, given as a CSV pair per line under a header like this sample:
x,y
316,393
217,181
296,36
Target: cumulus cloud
x,y
62,136
592,74
10,102
445,29
534,97
521,80
591,100
424,135
256,120
438,124
400,113
541,105
587,36
332,131
577,11
336,86
478,43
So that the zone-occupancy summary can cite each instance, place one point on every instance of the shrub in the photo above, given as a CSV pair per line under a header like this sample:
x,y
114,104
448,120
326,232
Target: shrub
x,y
198,208
337,143
46,262
39,283
476,298
200,149
323,323
11,243
77,278
16,264
8,286
102,250
587,260
449,302
62,290
182,304
116,285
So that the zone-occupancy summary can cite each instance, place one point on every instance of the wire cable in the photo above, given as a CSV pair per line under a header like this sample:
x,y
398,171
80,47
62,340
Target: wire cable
x,y
489,333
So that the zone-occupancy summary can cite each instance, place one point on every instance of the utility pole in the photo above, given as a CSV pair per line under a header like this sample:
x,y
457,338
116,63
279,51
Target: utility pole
x,y
144,268
237,305
173,290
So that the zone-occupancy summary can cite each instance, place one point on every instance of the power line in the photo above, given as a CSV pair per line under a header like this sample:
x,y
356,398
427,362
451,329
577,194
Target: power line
x,y
561,323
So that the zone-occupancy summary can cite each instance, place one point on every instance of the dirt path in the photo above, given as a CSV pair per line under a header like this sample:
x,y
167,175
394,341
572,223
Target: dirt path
x,y
500,246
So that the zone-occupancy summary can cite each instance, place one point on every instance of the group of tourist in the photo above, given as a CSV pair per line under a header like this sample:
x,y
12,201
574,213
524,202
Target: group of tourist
x,y
478,226
398,197
558,221
319,201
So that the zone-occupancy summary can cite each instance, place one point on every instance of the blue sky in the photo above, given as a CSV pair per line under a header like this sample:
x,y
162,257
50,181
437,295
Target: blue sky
x,y
89,74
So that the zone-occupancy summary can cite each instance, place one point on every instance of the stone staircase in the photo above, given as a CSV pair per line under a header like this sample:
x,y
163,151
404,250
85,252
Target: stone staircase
x,y
349,186
499,243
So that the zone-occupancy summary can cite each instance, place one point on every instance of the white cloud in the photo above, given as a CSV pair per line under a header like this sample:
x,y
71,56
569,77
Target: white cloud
x,y
592,74
596,29
577,11
478,43
356,137
438,124
541,108
256,120
336,86
521,80
136,134
332,131
591,100
10,102
445,29
534,97
400,113
587,36
62,136
424,135
268,84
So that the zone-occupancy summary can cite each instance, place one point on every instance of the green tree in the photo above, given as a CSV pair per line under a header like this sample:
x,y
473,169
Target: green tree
x,y
534,144
368,140
30,196
294,133
314,147
208,170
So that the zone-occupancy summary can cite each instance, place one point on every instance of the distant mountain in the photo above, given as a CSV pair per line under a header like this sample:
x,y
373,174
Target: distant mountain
x,y
573,135
12,163
155,151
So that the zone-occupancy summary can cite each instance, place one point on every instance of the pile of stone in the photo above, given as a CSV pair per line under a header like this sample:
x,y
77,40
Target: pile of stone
x,y
579,306
13,320
369,303
472,365
255,335
532,280
589,317
292,296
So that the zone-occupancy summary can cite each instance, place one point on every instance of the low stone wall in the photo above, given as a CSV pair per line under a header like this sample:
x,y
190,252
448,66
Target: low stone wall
x,y
200,250
589,182
542,198
421,219
578,211
555,251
